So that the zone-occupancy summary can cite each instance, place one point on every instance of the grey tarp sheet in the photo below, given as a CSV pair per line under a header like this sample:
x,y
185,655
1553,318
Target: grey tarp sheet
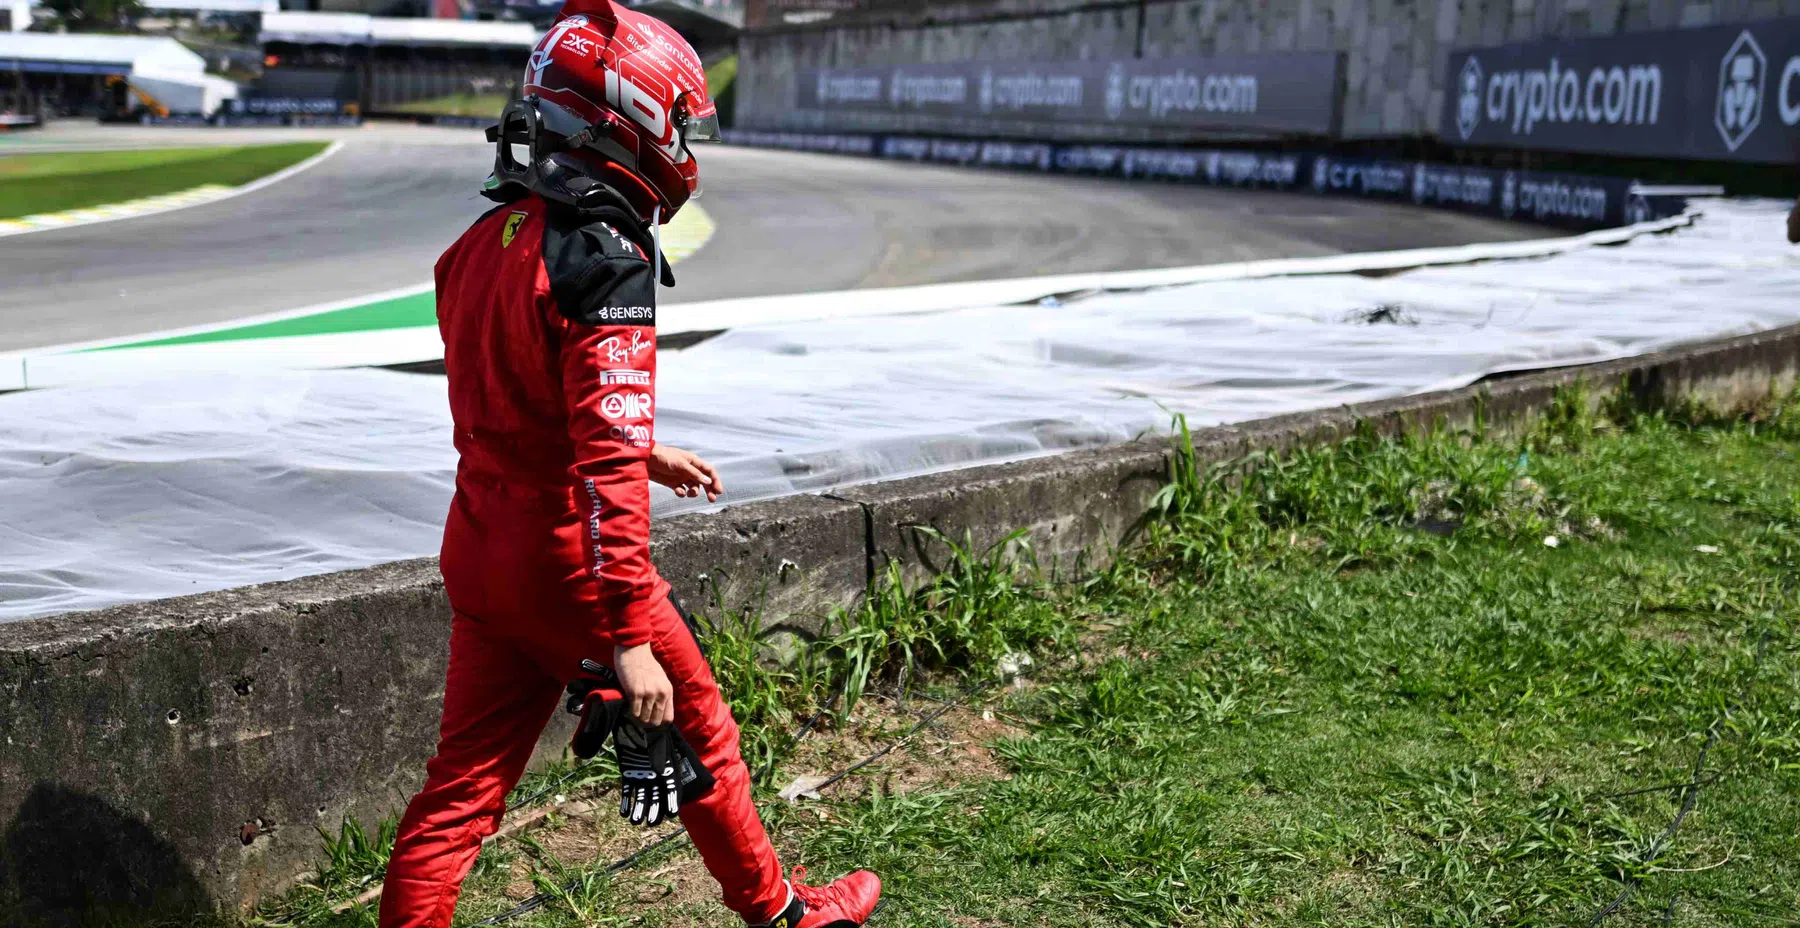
x,y
118,493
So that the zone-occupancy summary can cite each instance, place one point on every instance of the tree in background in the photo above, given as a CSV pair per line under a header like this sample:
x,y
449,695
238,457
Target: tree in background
x,y
94,15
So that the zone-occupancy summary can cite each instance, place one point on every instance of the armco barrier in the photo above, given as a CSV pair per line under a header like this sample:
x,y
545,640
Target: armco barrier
x,y
186,749
1569,200
248,120
433,119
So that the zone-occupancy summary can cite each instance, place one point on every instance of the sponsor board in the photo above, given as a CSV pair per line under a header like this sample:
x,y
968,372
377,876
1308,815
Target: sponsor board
x,y
1163,163
905,149
1556,199
288,106
1015,155
1088,159
1570,200
1286,93
1716,93
1253,169
800,141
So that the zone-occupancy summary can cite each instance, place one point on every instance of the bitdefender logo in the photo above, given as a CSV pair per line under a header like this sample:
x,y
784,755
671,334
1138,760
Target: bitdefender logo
x,y
1743,74
1468,98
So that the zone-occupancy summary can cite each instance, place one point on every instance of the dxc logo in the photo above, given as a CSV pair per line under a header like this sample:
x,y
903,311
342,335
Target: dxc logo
x,y
1743,74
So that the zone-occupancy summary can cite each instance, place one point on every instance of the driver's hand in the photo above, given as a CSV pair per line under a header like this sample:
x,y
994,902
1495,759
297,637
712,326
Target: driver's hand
x,y
685,473
650,696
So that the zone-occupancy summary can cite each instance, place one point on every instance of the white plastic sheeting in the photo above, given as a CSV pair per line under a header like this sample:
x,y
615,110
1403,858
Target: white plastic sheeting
x,y
120,493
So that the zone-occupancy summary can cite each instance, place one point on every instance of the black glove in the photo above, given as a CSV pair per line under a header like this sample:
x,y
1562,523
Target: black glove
x,y
601,705
658,771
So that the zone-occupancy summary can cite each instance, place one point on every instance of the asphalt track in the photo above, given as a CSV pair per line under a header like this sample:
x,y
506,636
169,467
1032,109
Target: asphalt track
x,y
375,216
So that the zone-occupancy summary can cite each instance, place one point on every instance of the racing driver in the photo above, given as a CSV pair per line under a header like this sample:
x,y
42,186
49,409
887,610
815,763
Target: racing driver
x,y
547,307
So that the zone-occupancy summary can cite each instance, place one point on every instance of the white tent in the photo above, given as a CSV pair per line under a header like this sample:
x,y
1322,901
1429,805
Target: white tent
x,y
215,6
163,72
95,54
359,29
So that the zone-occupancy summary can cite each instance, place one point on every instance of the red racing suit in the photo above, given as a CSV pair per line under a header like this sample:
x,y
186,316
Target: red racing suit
x,y
548,321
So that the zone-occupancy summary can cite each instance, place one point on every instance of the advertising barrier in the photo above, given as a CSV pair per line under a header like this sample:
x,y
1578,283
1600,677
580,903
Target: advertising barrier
x,y
1571,200
1726,93
1277,93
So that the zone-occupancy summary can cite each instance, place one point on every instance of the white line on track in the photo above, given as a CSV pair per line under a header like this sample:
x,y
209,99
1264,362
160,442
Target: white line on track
x,y
66,365
224,194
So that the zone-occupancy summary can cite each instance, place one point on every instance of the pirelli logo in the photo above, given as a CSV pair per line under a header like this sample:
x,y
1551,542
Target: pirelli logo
x,y
628,378
624,315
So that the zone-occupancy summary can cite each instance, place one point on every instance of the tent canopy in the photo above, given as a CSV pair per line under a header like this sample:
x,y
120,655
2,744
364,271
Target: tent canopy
x,y
359,29
95,54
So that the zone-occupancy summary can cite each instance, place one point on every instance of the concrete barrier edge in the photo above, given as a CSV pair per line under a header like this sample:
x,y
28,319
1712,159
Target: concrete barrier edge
x,y
203,740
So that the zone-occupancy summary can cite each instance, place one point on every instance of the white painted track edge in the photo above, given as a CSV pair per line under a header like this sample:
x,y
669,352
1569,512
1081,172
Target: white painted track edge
x,y
718,315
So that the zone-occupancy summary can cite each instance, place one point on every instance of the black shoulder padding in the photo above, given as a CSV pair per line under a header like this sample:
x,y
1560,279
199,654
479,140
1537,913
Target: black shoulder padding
x,y
597,275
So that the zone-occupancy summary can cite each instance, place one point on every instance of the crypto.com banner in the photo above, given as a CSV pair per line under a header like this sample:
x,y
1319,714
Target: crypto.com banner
x,y
1286,93
1719,93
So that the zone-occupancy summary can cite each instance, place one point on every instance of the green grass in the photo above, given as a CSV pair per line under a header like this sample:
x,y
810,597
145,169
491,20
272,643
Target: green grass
x,y
1349,686
487,105
721,83
52,182
719,79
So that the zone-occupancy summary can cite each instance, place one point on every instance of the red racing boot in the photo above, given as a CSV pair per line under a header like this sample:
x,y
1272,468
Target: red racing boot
x,y
847,903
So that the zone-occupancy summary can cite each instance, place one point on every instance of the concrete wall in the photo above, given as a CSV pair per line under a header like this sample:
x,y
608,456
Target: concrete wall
x,y
182,752
1395,49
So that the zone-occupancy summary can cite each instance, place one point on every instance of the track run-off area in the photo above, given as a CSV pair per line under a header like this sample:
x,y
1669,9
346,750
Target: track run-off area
x,y
372,219
862,320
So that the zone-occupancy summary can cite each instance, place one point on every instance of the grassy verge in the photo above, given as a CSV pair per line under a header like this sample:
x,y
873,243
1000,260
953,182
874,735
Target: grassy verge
x,y
721,83
52,182
1447,680
486,105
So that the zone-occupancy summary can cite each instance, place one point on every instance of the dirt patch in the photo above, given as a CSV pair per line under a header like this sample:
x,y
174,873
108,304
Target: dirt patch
x,y
586,833
679,885
951,750
1650,632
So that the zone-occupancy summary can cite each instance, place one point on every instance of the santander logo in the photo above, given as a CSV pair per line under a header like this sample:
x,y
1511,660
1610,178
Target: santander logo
x,y
625,93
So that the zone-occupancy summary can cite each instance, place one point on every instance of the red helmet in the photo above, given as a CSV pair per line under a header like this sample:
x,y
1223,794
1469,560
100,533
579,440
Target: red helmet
x,y
609,81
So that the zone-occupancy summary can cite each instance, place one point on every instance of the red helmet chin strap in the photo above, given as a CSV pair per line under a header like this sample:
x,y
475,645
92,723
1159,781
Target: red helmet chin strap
x,y
633,188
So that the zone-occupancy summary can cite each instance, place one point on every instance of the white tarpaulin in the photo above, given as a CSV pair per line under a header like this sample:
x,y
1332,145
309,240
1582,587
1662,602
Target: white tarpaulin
x,y
117,493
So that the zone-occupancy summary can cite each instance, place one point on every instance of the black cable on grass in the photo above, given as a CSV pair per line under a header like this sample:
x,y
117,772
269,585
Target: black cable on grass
x,y
971,690
538,901
1686,784
582,767
1690,795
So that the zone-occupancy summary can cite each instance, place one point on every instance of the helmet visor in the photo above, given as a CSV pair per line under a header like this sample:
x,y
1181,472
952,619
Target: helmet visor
x,y
700,128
